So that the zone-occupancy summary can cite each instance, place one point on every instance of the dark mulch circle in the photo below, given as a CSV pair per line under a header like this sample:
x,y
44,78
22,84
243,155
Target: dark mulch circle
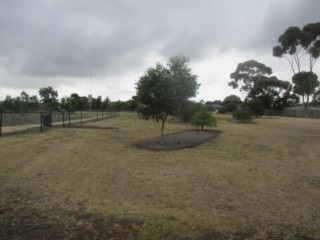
x,y
93,127
179,140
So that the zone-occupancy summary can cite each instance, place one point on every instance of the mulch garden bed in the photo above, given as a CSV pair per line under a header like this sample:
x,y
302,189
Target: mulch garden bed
x,y
179,140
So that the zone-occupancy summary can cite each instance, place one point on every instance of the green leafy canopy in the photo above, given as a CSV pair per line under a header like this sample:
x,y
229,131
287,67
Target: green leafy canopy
x,y
202,118
162,90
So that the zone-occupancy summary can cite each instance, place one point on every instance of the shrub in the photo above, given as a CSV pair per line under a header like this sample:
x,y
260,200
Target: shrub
x,y
187,111
202,118
243,114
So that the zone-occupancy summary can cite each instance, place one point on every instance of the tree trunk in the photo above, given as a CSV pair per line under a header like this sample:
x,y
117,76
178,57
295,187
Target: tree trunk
x,y
311,62
304,106
162,127
307,107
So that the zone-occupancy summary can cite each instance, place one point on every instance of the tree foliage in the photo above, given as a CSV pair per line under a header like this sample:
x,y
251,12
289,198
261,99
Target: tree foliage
x,y
262,90
49,98
22,103
25,102
79,103
272,93
312,41
162,90
256,106
231,99
306,84
243,114
213,105
295,43
187,110
230,103
202,118
68,104
316,98
247,74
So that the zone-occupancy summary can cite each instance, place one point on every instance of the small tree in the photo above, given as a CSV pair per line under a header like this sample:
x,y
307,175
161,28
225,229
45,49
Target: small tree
x,y
202,118
243,115
161,91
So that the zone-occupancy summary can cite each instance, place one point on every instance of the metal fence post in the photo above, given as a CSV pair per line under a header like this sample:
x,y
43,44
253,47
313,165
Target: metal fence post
x,y
81,116
69,118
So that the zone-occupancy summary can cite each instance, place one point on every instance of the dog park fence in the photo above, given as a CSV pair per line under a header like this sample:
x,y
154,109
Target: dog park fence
x,y
299,111
11,122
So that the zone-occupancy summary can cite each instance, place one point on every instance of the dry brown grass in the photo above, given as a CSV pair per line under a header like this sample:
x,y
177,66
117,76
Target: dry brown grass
x,y
256,181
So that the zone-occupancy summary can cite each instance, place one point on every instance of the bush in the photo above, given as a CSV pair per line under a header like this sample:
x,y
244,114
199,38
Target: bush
x,y
202,118
243,114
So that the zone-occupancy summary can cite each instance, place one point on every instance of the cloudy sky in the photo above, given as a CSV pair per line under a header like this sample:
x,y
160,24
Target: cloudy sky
x,y
102,47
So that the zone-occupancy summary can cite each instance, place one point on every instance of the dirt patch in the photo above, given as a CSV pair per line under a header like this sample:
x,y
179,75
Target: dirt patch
x,y
179,140
311,180
20,220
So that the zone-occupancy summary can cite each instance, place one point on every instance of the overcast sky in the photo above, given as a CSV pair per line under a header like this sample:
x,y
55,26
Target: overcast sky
x,y
102,47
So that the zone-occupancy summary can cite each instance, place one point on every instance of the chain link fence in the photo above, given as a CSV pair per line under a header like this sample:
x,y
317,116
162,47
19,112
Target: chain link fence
x,y
11,122
299,112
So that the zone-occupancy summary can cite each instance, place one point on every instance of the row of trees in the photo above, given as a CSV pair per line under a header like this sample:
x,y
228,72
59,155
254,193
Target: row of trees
x,y
263,92
165,90
266,92
294,45
49,102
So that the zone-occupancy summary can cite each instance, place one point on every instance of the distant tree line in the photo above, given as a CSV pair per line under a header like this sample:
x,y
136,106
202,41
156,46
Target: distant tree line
x,y
49,102
266,93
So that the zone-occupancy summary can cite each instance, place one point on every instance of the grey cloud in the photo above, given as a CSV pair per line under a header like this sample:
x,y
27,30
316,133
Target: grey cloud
x,y
51,39
62,39
282,14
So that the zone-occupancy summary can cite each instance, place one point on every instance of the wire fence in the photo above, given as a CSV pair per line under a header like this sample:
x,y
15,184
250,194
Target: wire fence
x,y
299,112
11,122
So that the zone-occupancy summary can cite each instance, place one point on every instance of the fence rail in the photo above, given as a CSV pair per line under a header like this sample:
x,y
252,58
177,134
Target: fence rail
x,y
299,112
19,121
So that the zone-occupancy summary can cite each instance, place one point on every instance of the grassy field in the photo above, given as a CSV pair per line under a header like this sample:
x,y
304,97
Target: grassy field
x,y
255,181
